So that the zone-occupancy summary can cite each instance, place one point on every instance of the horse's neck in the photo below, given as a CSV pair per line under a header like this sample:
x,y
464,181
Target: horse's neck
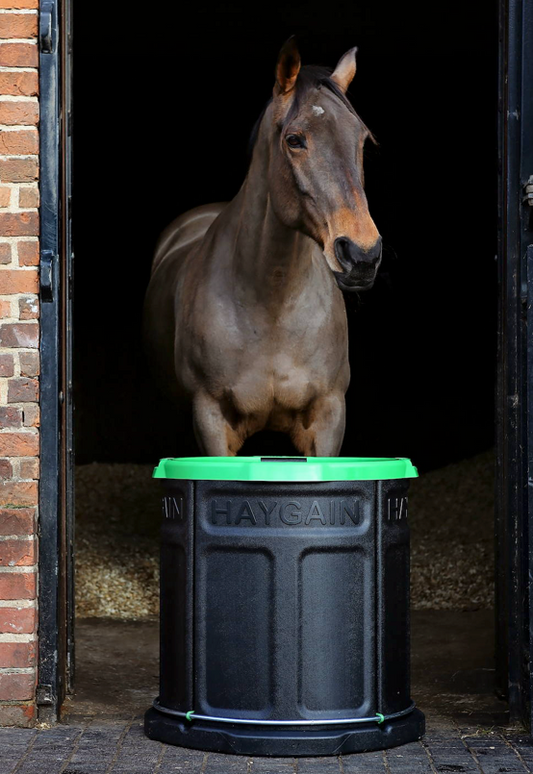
x,y
269,260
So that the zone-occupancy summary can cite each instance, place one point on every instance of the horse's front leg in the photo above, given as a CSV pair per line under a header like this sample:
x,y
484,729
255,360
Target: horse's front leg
x,y
319,431
215,435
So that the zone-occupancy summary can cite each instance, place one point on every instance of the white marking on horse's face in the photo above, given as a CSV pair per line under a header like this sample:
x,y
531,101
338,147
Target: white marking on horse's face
x,y
317,110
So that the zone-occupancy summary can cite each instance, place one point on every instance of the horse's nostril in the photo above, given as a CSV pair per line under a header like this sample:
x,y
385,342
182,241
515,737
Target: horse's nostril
x,y
345,252
349,254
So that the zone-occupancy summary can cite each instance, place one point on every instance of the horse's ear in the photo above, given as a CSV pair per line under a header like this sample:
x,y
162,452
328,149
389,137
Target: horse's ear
x,y
344,72
288,66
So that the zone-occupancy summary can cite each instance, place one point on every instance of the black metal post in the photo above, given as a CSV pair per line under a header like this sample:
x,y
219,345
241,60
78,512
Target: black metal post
x,y
50,688
513,534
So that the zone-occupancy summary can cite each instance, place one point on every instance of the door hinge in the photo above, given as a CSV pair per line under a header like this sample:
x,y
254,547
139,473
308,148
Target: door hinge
x,y
46,27
528,190
44,695
47,275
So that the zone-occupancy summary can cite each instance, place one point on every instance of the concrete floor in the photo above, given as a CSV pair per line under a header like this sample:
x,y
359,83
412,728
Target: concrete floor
x,y
452,668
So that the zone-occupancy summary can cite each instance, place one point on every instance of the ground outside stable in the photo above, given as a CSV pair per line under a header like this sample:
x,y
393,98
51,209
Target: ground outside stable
x,y
467,727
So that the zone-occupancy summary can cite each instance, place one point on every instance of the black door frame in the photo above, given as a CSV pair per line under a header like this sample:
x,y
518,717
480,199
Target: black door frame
x,y
56,504
514,398
514,498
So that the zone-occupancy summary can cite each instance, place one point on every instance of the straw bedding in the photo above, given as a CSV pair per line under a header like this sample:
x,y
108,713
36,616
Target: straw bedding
x,y
117,522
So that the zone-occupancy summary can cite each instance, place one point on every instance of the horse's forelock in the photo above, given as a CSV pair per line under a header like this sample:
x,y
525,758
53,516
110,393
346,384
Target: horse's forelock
x,y
309,78
315,77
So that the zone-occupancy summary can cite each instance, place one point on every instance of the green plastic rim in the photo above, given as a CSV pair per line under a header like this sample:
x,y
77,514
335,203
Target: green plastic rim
x,y
299,469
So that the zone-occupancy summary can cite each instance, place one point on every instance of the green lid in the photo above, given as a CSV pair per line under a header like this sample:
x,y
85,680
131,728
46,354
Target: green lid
x,y
286,468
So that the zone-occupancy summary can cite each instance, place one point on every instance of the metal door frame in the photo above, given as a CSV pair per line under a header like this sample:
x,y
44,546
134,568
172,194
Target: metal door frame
x,y
56,576
514,400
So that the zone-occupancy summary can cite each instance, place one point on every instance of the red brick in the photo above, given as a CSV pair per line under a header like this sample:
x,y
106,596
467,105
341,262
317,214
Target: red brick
x,y
19,113
17,655
17,620
7,365
22,391
19,223
17,553
5,197
5,310
31,416
17,281
17,521
18,54
29,197
19,334
6,470
19,143
17,687
15,493
29,364
17,585
18,3
29,469
10,417
18,25
19,444
18,84
19,171
19,715
28,253
28,308
5,253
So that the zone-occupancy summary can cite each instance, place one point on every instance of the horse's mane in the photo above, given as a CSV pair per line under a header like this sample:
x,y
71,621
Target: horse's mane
x,y
310,77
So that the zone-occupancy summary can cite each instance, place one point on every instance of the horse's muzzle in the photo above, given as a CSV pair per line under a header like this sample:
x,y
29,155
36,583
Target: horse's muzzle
x,y
360,266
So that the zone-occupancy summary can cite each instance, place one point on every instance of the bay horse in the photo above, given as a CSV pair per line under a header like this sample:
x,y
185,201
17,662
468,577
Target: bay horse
x,y
244,312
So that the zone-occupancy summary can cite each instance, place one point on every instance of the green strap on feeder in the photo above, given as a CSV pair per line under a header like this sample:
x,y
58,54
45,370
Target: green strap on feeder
x,y
381,718
189,715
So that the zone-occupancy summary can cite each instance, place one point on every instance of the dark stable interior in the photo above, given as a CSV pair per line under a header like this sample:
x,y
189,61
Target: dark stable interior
x,y
164,103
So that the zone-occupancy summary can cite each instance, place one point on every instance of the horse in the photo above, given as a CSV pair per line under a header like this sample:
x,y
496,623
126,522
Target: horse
x,y
244,312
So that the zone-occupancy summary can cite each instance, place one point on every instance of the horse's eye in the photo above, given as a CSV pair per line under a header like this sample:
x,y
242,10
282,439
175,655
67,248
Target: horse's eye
x,y
295,141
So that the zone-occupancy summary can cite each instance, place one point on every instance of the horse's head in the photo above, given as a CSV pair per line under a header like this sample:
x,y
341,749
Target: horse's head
x,y
316,166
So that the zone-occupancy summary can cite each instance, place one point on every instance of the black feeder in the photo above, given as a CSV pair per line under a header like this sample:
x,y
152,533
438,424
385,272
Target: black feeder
x,y
285,606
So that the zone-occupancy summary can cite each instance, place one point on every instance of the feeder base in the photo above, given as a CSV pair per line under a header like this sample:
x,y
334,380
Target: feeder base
x,y
283,742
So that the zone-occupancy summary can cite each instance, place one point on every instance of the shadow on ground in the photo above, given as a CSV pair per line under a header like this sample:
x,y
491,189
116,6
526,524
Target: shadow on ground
x,y
452,668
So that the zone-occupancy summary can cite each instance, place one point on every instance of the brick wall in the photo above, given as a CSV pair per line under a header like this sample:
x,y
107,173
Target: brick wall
x,y
19,358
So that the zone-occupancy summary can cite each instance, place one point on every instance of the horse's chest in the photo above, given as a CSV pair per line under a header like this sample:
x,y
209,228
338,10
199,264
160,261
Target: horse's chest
x,y
293,381
267,366
272,383
282,380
